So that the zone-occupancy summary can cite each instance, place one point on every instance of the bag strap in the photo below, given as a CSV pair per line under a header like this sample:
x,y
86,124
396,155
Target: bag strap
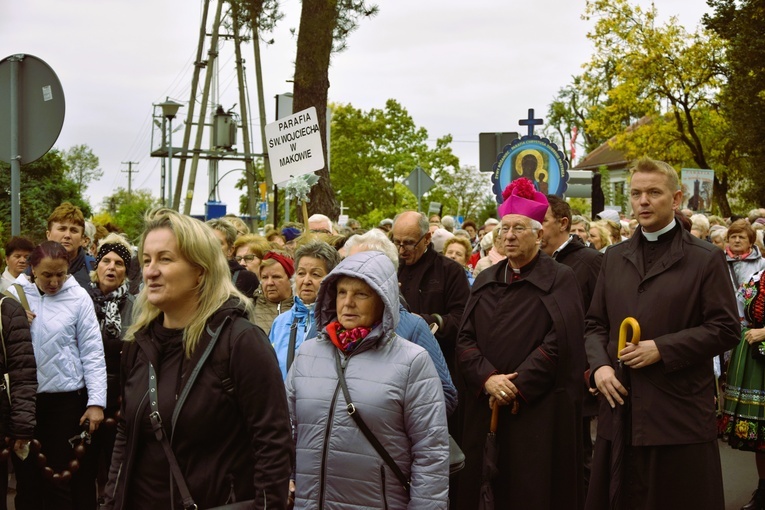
x,y
354,413
5,381
159,433
291,346
22,296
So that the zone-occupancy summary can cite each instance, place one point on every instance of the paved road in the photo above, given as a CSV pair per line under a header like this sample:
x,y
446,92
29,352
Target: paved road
x,y
739,476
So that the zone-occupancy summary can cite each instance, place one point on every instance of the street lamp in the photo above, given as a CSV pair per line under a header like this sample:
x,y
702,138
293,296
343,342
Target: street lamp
x,y
169,110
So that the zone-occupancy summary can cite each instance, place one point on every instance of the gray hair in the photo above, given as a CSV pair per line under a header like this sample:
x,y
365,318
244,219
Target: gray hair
x,y
318,250
225,226
90,232
374,240
448,223
576,219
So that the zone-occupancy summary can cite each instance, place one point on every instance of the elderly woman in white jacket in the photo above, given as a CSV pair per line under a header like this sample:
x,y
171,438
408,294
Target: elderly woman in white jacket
x,y
71,377
393,386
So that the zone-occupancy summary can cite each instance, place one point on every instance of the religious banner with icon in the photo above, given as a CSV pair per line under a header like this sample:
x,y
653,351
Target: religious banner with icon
x,y
533,157
697,188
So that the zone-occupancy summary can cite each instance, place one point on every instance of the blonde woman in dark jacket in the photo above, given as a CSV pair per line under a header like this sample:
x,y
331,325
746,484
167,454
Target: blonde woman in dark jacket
x,y
200,379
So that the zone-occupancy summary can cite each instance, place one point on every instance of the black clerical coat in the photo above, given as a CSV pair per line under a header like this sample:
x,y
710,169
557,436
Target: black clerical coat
x,y
533,326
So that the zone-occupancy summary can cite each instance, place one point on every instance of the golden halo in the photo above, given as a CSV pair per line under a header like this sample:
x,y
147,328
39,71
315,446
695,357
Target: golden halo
x,y
541,174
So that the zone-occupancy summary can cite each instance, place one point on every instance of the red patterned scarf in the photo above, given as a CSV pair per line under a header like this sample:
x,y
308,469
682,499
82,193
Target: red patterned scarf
x,y
346,339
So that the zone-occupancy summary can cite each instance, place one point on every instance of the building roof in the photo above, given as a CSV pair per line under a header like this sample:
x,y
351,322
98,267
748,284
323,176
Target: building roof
x,y
606,155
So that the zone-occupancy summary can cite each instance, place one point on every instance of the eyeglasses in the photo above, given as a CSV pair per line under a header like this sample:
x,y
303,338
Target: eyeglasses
x,y
518,230
408,245
246,258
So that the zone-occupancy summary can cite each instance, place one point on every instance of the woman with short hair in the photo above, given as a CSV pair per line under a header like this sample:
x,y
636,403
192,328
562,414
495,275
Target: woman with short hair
x,y
313,262
459,249
743,256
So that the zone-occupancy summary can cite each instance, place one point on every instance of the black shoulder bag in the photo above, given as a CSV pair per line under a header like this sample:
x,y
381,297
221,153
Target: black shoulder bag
x,y
159,433
354,413
291,346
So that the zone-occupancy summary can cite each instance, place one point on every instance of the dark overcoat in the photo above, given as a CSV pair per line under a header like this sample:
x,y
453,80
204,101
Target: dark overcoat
x,y
533,326
436,284
585,262
685,304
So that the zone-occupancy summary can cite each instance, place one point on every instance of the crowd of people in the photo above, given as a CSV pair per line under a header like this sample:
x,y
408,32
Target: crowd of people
x,y
325,366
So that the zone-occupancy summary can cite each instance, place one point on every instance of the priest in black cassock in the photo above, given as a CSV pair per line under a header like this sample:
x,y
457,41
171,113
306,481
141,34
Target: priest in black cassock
x,y
520,343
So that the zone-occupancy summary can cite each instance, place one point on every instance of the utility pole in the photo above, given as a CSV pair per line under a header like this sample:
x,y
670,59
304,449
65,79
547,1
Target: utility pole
x,y
212,54
262,107
198,65
130,173
252,197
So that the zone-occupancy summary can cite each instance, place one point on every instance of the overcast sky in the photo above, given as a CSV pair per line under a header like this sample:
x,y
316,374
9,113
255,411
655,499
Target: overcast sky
x,y
458,67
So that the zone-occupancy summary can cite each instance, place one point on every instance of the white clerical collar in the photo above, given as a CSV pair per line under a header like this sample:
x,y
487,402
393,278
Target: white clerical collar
x,y
654,236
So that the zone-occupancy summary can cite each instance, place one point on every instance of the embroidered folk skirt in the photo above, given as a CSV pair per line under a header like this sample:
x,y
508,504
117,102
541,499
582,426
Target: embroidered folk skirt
x,y
742,424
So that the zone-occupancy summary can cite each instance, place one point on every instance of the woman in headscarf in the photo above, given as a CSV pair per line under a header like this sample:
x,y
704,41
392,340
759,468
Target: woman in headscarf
x,y
274,296
358,359
110,290
202,396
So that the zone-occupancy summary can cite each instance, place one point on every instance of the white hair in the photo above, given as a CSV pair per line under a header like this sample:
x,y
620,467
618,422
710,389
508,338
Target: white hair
x,y
374,240
315,218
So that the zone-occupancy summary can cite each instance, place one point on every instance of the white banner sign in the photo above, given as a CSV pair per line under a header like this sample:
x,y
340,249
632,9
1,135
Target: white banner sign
x,y
294,145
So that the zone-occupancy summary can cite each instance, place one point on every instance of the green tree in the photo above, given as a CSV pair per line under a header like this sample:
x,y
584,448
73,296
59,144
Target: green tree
x,y
740,24
82,166
664,77
465,192
127,210
372,153
44,186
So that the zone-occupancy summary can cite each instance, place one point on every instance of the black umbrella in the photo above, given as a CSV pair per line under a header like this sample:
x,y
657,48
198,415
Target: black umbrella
x,y
621,415
490,458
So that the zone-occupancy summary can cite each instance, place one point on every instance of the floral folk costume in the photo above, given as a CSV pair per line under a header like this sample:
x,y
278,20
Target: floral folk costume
x,y
742,424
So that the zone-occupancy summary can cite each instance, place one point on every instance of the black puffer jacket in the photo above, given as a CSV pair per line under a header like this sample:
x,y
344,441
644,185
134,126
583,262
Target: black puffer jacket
x,y
18,421
229,447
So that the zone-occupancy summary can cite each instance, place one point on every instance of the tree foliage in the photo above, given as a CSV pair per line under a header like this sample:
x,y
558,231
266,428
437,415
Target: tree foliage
x,y
44,186
127,210
82,166
653,89
374,151
740,25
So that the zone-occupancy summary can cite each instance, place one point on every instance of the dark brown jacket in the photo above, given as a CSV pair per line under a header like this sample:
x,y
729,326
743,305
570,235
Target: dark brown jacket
x,y
686,305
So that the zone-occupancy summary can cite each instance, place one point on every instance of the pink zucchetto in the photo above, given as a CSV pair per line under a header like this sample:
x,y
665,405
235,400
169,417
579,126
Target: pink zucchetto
x,y
522,198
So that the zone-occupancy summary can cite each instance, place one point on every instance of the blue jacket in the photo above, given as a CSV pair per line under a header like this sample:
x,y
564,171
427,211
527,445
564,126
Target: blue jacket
x,y
280,330
414,328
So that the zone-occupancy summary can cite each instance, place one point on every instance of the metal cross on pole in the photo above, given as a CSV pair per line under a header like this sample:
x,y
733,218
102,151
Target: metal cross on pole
x,y
530,122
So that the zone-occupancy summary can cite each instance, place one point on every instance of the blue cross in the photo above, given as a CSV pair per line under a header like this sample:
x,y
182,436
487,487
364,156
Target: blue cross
x,y
530,122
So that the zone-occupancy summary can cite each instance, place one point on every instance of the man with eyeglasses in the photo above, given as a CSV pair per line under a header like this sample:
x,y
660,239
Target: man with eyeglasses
x,y
520,346
433,286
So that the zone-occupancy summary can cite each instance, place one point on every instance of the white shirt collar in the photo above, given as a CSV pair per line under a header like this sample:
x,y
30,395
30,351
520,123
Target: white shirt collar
x,y
556,252
654,236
